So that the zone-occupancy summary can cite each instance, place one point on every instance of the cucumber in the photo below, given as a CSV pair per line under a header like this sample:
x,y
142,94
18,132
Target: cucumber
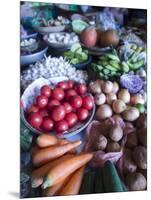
x,y
111,179
87,186
98,185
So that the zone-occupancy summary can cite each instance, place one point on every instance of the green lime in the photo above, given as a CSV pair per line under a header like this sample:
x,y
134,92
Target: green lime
x,y
140,107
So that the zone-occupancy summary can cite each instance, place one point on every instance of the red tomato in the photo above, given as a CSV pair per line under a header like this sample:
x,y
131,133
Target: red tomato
x,y
42,101
32,109
46,91
43,112
58,113
61,126
52,103
70,84
82,114
76,102
47,124
81,89
71,119
70,93
63,85
58,94
35,119
67,106
88,102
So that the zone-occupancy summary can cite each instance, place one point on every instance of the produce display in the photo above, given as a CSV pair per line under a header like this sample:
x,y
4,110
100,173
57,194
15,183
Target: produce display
x,y
84,104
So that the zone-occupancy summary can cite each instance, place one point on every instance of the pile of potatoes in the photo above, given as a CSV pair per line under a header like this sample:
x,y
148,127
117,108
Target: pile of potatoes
x,y
111,100
135,157
110,139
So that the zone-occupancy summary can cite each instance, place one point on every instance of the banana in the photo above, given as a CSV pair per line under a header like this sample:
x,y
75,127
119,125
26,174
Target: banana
x,y
112,57
125,66
114,64
111,68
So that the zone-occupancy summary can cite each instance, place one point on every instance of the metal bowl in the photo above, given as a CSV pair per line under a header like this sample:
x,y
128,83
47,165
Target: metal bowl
x,y
71,132
83,66
33,57
50,29
57,45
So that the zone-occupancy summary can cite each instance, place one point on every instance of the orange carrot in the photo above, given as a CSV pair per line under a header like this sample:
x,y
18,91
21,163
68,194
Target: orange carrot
x,y
63,141
50,153
60,172
45,140
73,185
38,174
51,191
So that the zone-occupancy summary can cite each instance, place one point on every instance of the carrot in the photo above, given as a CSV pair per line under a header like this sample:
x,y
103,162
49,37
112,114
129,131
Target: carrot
x,y
38,174
73,185
45,140
34,150
50,153
60,172
62,142
51,191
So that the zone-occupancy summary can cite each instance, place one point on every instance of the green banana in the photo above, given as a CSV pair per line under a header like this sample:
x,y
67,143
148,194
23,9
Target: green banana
x,y
114,64
111,68
103,63
99,67
137,65
106,71
103,58
112,57
125,66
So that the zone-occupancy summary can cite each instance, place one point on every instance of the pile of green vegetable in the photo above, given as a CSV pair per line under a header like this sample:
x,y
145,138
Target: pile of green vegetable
x,y
76,54
112,65
102,180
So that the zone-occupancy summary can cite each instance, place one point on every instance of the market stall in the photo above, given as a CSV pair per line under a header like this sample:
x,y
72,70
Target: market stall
x,y
83,100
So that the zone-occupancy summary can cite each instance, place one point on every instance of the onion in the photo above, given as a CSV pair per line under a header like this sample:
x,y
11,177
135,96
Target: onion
x,y
107,87
118,106
115,87
100,99
104,112
95,87
137,98
131,114
124,95
110,98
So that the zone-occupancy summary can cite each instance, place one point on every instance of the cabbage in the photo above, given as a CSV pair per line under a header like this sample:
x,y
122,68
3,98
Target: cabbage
x,y
131,82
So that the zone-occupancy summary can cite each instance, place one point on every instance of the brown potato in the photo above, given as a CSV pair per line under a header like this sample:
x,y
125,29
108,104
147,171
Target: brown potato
x,y
140,157
132,140
142,136
116,133
136,181
128,162
113,147
141,121
101,142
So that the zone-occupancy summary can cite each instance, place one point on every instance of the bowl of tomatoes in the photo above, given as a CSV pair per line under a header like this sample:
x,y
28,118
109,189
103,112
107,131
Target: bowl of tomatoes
x,y
61,107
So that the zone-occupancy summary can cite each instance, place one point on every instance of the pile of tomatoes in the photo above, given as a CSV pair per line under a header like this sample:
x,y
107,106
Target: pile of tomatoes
x,y
60,108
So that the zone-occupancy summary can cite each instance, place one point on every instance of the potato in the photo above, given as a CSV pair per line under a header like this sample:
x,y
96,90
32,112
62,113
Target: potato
x,y
132,140
116,133
103,112
142,136
131,114
128,162
140,157
101,142
142,121
136,181
113,147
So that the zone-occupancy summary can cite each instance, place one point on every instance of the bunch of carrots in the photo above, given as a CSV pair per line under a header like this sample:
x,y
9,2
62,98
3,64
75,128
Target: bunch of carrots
x,y
58,169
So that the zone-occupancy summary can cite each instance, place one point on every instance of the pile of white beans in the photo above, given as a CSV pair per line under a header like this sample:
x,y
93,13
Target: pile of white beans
x,y
52,67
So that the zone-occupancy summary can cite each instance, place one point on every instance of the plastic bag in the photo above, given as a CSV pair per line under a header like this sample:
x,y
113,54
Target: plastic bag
x,y
106,21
